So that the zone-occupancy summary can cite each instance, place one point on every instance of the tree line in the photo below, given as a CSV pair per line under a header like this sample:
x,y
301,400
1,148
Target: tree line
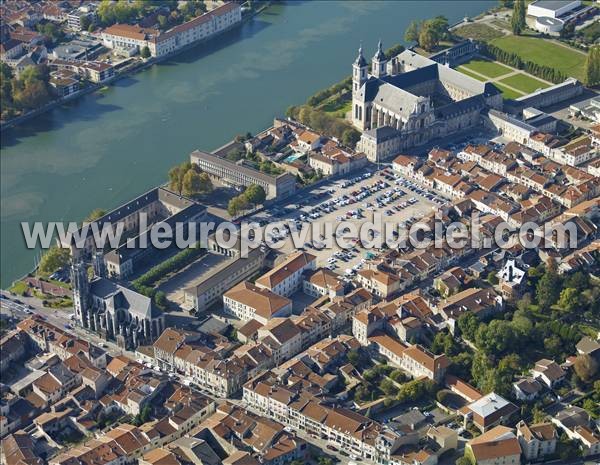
x,y
512,59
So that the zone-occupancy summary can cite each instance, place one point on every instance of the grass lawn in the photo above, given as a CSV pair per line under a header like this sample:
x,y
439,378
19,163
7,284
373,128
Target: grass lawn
x,y
543,52
478,31
491,69
464,70
506,92
19,288
337,108
524,83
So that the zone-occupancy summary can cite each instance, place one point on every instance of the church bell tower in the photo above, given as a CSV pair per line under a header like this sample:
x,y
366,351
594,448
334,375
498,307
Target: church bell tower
x,y
379,62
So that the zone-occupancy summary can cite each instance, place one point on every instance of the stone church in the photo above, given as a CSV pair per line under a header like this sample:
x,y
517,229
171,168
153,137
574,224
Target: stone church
x,y
410,100
113,311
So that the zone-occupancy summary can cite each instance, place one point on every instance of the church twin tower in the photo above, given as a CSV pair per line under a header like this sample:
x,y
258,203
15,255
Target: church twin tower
x,y
359,77
360,67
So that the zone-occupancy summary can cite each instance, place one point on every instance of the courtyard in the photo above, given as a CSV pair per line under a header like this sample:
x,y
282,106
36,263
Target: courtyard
x,y
512,82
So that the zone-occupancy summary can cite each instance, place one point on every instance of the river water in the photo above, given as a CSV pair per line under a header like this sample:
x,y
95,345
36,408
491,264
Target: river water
x,y
110,146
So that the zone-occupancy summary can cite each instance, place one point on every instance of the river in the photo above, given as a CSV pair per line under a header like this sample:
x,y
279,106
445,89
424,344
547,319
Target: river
x,y
110,146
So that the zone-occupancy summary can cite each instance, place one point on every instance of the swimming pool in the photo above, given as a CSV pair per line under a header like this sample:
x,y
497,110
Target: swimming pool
x,y
292,157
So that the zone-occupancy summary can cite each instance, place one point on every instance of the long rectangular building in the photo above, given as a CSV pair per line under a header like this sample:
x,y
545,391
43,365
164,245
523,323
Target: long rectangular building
x,y
133,38
238,174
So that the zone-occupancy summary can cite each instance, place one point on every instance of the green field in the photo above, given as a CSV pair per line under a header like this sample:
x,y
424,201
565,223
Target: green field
x,y
477,31
524,83
470,74
506,92
490,69
543,52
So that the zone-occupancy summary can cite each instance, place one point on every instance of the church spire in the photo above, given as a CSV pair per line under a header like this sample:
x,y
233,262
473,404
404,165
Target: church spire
x,y
360,59
379,62
379,55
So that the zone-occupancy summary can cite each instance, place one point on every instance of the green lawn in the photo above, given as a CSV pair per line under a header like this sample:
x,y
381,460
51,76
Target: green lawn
x,y
524,83
544,52
477,31
506,92
464,70
491,69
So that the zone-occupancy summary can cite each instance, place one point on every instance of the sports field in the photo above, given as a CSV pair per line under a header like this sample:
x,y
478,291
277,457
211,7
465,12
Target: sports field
x,y
544,52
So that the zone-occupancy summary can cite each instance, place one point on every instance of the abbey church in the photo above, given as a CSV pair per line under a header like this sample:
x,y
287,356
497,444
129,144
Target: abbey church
x,y
409,100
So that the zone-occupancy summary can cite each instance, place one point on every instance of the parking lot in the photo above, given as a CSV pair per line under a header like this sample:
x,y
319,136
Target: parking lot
x,y
356,200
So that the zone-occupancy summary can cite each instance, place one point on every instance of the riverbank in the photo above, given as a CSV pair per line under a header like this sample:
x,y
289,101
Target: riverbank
x,y
129,71
109,146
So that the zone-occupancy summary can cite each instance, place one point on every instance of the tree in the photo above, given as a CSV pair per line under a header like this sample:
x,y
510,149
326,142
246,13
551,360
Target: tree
x,y
388,387
85,22
548,288
176,176
517,21
237,205
324,461
412,32
255,194
428,39
468,324
440,26
350,137
191,183
95,214
492,278
586,367
569,299
54,259
206,184
353,357
162,21
591,70
145,52
464,460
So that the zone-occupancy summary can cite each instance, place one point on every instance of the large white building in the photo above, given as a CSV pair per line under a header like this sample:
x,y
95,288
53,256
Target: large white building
x,y
409,100
131,39
551,8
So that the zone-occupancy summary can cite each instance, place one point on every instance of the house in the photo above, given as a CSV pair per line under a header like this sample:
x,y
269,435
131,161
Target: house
x,y
527,389
462,388
418,361
489,411
382,283
366,322
588,346
444,437
450,282
308,140
589,438
286,278
323,282
549,372
537,440
19,449
498,446
249,302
